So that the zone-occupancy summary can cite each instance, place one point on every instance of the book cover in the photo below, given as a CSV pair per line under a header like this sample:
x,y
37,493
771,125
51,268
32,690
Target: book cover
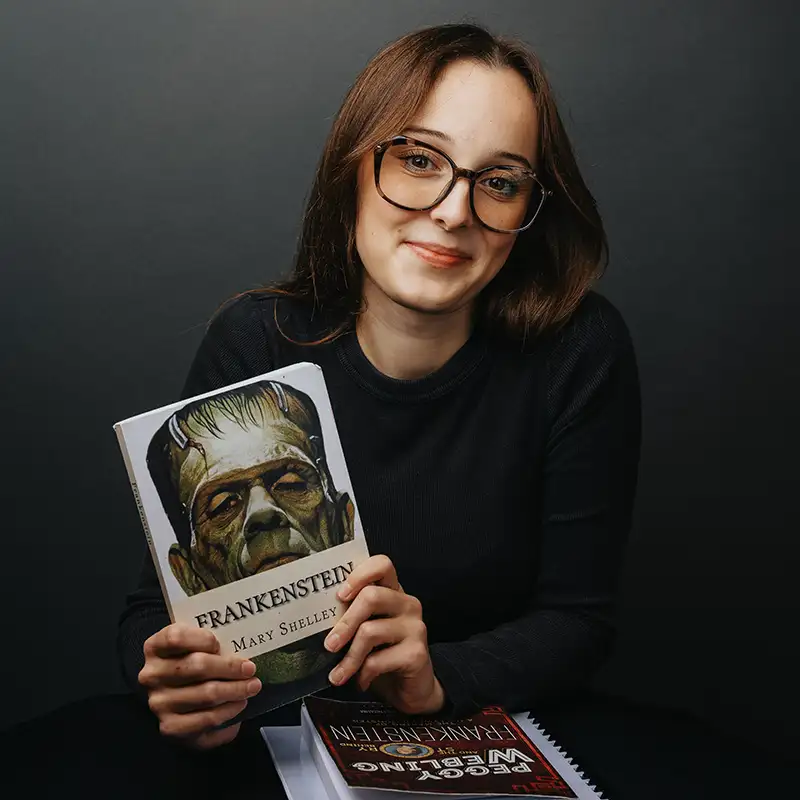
x,y
375,747
249,513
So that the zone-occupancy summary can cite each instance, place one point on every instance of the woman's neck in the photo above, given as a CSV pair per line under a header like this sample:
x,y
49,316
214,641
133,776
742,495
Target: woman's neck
x,y
406,344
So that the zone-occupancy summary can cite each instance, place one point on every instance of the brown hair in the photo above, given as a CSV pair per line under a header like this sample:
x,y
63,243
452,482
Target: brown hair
x,y
552,264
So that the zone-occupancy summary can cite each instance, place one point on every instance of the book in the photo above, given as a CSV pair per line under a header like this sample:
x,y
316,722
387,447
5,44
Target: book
x,y
367,751
248,510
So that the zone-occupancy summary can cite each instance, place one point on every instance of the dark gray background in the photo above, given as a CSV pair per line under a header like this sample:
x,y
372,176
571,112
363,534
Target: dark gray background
x,y
154,158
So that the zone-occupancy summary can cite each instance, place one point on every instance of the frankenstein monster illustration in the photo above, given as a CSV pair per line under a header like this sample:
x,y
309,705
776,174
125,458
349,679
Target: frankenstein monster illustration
x,y
244,481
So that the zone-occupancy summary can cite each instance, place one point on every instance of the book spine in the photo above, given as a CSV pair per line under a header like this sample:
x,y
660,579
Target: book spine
x,y
310,739
143,516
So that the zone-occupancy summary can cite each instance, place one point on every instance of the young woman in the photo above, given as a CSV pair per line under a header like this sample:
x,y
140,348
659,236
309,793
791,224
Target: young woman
x,y
487,400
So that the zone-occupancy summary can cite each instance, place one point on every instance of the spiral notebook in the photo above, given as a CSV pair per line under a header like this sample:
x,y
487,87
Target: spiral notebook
x,y
347,751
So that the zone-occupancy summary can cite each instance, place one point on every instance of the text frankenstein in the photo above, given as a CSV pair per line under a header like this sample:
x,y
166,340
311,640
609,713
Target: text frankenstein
x,y
266,601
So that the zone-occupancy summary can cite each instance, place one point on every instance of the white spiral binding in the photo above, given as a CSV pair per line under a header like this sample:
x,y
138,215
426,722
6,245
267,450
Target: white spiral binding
x,y
579,772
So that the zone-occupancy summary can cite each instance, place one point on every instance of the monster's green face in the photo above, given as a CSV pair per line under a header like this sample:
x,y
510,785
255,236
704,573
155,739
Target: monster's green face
x,y
256,499
295,661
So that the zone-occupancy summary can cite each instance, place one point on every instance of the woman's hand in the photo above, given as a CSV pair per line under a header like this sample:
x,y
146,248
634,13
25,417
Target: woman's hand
x,y
388,640
192,689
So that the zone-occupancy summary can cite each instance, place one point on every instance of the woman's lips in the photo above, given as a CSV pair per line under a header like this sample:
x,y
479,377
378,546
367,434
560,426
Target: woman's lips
x,y
435,259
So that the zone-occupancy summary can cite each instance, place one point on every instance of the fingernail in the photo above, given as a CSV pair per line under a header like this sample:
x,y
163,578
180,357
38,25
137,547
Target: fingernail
x,y
253,687
248,669
332,642
345,592
336,675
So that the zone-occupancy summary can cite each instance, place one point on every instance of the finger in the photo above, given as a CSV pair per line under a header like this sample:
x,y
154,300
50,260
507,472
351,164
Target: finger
x,y
371,634
185,699
370,601
376,569
194,668
177,639
408,656
197,722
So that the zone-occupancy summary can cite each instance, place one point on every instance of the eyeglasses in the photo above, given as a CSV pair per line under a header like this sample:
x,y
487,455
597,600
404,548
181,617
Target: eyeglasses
x,y
417,176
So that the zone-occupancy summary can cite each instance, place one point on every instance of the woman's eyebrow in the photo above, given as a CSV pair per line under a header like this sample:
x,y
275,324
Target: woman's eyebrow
x,y
445,138
430,132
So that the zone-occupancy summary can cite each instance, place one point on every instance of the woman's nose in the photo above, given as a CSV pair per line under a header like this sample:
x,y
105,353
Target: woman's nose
x,y
454,211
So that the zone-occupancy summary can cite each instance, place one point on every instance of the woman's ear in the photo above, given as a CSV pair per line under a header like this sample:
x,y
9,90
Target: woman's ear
x,y
182,569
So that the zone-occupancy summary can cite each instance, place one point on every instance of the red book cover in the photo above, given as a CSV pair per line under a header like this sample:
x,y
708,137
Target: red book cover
x,y
486,754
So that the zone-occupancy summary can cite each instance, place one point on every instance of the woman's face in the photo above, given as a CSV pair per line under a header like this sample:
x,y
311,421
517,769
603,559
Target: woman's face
x,y
478,116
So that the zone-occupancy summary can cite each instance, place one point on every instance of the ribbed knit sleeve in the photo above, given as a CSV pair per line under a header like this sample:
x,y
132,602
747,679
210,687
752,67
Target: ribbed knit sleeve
x,y
588,486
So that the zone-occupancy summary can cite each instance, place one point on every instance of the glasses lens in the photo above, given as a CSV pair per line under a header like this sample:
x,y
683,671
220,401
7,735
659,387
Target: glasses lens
x,y
414,176
507,198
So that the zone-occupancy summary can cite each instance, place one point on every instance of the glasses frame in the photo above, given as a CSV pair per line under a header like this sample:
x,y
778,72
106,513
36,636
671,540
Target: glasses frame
x,y
458,172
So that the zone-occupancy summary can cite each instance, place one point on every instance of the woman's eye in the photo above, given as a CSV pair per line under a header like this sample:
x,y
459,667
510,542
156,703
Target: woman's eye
x,y
223,502
502,186
418,162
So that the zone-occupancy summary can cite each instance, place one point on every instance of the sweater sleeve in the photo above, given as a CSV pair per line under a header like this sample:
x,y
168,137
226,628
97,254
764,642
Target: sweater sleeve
x,y
588,483
234,348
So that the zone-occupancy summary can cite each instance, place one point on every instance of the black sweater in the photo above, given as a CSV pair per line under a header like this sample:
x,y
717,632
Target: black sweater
x,y
500,486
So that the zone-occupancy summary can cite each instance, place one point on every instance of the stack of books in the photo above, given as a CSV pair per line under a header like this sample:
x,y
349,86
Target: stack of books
x,y
358,751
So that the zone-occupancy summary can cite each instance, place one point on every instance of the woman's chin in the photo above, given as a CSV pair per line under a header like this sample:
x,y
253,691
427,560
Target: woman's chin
x,y
427,300
411,284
